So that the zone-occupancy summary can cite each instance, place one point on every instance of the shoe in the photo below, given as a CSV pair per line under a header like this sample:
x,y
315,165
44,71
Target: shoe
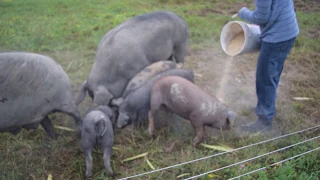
x,y
257,126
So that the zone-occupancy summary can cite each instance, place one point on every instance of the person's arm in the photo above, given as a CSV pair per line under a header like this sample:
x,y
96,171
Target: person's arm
x,y
260,15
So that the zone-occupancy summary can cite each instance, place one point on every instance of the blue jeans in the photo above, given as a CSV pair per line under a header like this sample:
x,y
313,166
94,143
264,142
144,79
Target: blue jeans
x,y
269,68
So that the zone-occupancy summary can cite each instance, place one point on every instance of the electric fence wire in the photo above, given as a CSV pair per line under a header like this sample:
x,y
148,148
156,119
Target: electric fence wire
x,y
280,162
250,159
222,153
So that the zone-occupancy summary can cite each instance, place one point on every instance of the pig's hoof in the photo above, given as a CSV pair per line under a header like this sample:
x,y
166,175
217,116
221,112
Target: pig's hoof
x,y
150,132
109,172
78,133
53,136
88,178
196,142
88,174
152,136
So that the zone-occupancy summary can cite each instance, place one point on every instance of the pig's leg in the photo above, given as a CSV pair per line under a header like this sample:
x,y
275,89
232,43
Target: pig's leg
x,y
198,128
72,111
47,126
199,135
88,140
170,58
142,118
166,110
151,123
88,154
179,53
137,120
106,159
76,116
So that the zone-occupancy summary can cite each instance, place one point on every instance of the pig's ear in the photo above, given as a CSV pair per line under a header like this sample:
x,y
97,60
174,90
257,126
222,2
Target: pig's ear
x,y
117,102
231,117
102,96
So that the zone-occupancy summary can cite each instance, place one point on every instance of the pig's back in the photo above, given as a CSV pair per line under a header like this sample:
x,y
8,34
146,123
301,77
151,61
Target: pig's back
x,y
179,95
181,90
187,99
31,85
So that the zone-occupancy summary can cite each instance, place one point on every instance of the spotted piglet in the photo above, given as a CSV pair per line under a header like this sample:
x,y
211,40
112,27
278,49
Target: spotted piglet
x,y
177,95
97,129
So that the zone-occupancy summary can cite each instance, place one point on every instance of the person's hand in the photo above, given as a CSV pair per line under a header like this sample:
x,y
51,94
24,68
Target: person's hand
x,y
241,10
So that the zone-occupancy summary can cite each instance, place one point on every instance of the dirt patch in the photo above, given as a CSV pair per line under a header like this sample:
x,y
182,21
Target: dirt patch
x,y
312,33
205,12
309,6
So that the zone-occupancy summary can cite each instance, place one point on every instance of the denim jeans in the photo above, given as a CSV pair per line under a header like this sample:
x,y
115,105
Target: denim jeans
x,y
269,68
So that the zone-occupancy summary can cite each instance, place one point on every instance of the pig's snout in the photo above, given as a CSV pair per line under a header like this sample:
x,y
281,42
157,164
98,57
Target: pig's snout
x,y
122,120
231,118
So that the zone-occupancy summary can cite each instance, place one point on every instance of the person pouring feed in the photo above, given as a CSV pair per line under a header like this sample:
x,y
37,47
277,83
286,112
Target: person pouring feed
x,y
279,29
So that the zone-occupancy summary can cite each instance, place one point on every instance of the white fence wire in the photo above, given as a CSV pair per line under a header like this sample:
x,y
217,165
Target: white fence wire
x,y
222,153
250,159
280,162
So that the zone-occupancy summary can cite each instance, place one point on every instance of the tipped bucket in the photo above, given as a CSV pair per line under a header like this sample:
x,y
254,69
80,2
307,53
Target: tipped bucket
x,y
238,37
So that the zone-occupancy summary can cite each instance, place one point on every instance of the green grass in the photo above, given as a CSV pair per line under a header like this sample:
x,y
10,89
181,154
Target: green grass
x,y
70,30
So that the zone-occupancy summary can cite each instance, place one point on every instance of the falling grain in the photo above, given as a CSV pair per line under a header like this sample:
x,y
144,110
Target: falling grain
x,y
236,44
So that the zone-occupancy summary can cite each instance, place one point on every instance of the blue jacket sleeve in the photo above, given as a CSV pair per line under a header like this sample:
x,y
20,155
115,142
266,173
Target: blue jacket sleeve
x,y
260,15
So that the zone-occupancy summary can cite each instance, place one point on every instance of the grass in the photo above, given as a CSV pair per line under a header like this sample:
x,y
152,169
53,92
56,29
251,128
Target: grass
x,y
70,31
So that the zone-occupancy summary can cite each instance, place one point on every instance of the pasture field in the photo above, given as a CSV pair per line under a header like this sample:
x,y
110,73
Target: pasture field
x,y
70,31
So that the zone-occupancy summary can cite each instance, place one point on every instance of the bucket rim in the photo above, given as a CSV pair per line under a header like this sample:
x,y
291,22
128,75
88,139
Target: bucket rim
x,y
227,25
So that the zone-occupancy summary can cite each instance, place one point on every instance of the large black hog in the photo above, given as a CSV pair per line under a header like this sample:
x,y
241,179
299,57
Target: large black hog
x,y
177,95
137,104
31,87
125,50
